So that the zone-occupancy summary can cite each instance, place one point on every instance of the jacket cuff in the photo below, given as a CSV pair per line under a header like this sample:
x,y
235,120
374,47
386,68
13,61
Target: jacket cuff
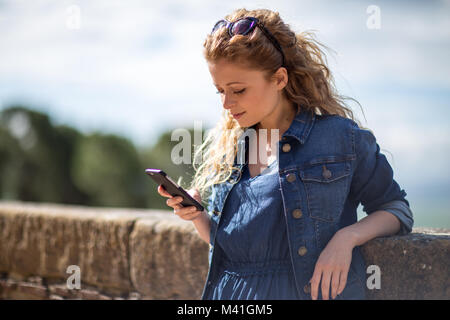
x,y
402,211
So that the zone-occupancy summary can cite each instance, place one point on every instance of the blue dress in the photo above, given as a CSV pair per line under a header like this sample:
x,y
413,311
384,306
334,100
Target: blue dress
x,y
252,234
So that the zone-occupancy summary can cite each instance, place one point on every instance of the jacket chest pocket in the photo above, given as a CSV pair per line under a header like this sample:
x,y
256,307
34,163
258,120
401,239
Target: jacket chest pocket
x,y
326,186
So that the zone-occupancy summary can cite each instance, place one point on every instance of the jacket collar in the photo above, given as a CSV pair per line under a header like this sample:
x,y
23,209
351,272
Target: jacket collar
x,y
300,126
299,129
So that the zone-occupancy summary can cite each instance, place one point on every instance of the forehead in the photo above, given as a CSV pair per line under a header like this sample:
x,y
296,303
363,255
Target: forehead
x,y
226,73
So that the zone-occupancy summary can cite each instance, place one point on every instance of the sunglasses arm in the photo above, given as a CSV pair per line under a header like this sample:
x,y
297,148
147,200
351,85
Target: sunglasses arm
x,y
272,38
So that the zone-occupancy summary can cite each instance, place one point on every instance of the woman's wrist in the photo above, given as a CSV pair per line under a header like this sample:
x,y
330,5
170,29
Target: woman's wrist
x,y
200,217
377,224
350,234
203,226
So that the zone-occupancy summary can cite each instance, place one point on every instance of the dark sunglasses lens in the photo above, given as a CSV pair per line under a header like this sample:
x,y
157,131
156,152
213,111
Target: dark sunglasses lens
x,y
242,27
218,25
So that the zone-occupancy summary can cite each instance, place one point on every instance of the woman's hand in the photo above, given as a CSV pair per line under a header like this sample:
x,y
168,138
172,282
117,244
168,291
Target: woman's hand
x,y
332,266
186,213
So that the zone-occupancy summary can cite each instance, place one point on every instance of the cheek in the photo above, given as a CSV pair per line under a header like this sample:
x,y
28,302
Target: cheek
x,y
263,101
256,100
251,103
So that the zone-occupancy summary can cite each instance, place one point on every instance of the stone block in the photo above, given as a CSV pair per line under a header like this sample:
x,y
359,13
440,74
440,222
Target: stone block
x,y
414,266
45,239
168,259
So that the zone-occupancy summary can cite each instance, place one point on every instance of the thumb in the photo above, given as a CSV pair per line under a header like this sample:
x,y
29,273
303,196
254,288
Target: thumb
x,y
194,193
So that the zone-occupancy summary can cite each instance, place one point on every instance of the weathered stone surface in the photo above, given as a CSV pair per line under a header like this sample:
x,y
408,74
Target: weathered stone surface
x,y
19,290
415,266
168,259
45,239
33,291
149,254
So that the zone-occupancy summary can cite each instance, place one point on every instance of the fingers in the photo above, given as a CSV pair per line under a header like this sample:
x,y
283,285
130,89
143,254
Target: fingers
x,y
342,281
315,280
326,276
174,202
163,192
335,283
195,194
186,213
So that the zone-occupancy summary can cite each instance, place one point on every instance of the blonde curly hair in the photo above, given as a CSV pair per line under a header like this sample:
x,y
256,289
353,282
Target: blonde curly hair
x,y
310,86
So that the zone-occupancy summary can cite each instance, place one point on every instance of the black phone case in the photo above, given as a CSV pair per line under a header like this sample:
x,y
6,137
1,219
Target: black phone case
x,y
161,178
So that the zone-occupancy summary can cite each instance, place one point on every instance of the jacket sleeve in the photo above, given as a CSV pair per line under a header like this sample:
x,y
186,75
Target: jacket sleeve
x,y
402,211
373,183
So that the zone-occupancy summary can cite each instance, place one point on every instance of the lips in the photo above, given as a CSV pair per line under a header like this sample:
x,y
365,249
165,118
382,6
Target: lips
x,y
237,114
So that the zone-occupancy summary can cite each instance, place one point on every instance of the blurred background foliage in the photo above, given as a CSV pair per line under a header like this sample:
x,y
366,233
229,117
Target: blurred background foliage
x,y
43,162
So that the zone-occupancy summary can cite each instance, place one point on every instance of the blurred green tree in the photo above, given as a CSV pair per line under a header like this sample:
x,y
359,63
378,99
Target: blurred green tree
x,y
107,167
36,157
43,162
11,161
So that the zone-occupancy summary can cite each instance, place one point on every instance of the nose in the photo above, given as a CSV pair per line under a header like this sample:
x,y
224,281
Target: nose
x,y
227,101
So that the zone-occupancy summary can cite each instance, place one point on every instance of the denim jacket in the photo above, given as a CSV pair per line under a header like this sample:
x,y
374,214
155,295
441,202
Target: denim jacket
x,y
327,167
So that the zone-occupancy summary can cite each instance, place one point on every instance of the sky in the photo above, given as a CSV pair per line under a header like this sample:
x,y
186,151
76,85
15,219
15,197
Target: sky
x,y
136,68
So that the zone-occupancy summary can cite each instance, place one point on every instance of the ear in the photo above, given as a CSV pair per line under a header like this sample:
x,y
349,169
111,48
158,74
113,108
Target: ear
x,y
281,78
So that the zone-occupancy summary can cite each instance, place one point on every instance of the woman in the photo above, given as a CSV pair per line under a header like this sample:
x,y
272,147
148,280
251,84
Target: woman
x,y
282,221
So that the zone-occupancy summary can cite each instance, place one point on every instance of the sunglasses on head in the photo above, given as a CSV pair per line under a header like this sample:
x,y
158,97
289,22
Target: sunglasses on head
x,y
244,26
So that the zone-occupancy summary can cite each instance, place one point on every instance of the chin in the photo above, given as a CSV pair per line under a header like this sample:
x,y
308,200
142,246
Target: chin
x,y
246,124
242,123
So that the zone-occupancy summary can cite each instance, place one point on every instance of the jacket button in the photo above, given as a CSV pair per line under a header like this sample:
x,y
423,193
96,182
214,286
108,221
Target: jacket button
x,y
297,213
286,147
302,251
290,177
307,288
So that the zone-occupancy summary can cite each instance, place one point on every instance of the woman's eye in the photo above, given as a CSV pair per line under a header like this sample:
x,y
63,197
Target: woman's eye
x,y
237,92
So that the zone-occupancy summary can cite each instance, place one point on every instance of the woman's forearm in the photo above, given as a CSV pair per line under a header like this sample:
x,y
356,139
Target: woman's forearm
x,y
377,224
203,225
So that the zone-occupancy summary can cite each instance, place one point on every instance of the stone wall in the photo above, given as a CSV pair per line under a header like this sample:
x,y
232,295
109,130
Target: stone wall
x,y
151,254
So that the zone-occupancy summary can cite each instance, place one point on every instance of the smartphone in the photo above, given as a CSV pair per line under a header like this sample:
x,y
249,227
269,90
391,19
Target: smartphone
x,y
161,178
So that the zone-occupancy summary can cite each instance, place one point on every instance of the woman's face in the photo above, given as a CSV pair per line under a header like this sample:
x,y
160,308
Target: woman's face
x,y
244,91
